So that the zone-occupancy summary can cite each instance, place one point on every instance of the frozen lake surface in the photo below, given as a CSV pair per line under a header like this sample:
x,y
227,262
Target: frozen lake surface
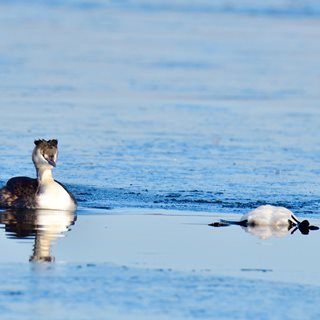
x,y
169,115
160,264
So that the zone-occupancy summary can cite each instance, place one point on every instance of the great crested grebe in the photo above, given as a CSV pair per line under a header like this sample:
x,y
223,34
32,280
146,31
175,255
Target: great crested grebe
x,y
43,192
268,219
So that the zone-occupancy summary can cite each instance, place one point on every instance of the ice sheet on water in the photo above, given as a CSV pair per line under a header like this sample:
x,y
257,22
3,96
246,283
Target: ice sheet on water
x,y
79,291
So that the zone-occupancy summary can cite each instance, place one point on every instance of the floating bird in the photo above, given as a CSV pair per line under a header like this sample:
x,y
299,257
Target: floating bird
x,y
43,192
266,221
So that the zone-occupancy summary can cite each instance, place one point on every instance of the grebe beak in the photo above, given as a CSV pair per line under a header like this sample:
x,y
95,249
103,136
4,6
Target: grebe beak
x,y
51,162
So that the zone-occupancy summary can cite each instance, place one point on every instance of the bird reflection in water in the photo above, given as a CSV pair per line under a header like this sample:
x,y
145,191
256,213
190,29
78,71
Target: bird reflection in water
x,y
44,226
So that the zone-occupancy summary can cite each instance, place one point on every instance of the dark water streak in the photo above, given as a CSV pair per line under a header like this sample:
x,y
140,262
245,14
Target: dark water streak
x,y
193,200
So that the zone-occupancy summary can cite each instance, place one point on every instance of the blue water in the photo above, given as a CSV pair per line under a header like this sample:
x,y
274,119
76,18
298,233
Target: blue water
x,y
166,105
207,107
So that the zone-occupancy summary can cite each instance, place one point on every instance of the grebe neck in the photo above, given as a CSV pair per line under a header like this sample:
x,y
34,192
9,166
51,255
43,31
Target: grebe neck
x,y
44,175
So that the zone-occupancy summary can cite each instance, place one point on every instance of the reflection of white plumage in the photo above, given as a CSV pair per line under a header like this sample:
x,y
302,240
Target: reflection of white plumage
x,y
267,221
49,225
44,225
54,222
267,231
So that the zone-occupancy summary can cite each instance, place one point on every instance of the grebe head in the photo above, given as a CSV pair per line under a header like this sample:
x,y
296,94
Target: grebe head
x,y
45,153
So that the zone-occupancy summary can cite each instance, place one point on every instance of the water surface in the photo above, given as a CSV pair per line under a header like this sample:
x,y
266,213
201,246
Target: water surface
x,y
169,115
146,264
169,105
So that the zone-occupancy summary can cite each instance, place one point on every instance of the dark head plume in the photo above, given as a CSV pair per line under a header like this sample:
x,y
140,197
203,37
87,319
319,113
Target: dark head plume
x,y
51,143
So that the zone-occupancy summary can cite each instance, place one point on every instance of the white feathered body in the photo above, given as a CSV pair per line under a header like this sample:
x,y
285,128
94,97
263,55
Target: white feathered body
x,y
268,215
52,195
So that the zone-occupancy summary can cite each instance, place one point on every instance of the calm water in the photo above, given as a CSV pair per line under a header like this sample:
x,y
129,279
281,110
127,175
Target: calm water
x,y
143,264
199,109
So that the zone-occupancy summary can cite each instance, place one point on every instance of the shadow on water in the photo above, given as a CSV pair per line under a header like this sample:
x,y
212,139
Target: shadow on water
x,y
44,226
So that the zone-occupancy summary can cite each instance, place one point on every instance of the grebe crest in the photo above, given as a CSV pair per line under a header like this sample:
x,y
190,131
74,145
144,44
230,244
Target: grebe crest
x,y
43,192
267,221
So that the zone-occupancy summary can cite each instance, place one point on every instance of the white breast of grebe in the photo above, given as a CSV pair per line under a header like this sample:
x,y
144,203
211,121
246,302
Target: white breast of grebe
x,y
54,196
268,215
